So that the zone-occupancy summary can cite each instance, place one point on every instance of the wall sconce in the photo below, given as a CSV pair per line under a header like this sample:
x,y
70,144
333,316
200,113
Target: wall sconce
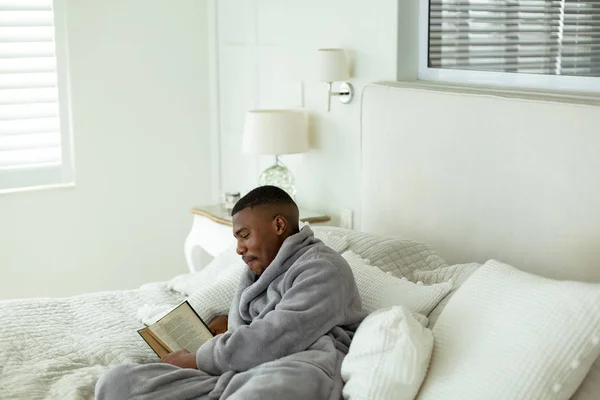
x,y
333,67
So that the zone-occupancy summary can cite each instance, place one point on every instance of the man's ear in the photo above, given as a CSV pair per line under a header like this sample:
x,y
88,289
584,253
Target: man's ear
x,y
280,224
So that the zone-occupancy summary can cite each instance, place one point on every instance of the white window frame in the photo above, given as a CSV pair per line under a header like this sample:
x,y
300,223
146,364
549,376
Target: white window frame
x,y
62,175
518,80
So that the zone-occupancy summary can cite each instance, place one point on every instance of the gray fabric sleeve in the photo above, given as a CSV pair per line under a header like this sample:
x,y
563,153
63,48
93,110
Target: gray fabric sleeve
x,y
308,310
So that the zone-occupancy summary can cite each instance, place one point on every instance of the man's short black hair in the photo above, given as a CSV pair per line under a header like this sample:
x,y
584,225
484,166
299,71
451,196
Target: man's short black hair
x,y
263,195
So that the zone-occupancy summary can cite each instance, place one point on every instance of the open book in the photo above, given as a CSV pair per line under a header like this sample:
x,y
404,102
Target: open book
x,y
182,328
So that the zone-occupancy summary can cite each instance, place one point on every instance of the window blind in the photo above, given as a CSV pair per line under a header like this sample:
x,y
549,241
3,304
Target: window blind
x,y
30,128
527,36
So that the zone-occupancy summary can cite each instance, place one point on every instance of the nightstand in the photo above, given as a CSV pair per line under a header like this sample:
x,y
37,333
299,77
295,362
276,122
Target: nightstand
x,y
211,233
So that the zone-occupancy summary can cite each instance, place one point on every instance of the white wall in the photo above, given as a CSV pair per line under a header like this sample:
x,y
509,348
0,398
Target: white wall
x,y
139,77
266,48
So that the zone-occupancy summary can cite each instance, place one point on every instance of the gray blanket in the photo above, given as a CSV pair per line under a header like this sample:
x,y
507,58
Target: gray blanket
x,y
288,333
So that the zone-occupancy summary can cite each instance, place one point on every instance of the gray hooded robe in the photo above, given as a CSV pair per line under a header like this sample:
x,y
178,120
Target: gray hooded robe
x,y
288,333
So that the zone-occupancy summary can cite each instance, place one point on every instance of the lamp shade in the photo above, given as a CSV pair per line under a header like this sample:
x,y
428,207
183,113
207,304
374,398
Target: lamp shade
x,y
332,65
275,132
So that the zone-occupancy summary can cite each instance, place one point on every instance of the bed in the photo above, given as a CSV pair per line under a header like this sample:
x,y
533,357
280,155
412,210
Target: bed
x,y
492,176
57,348
482,175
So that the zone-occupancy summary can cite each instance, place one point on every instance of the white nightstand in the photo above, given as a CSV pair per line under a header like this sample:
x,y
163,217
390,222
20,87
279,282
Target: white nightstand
x,y
211,233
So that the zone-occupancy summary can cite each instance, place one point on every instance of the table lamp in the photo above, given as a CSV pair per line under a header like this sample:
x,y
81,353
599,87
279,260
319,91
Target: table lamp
x,y
276,132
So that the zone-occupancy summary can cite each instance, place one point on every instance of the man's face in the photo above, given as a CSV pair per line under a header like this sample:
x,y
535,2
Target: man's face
x,y
259,237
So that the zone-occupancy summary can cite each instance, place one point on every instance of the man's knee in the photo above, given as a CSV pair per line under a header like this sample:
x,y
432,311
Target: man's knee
x,y
115,383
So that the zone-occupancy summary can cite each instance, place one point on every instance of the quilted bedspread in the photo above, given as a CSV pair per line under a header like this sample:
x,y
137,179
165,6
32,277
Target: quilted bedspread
x,y
58,348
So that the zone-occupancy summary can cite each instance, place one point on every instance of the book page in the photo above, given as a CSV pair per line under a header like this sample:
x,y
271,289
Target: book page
x,y
182,329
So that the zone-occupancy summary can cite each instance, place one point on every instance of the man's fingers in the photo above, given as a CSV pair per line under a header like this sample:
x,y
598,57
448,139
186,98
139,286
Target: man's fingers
x,y
165,358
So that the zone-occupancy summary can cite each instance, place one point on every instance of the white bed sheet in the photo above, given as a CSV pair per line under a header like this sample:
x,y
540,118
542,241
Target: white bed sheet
x,y
58,348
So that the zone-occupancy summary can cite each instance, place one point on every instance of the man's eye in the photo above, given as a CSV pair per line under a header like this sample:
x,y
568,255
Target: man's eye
x,y
246,236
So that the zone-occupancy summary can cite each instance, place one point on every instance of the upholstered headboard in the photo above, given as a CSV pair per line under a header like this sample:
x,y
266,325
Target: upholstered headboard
x,y
481,176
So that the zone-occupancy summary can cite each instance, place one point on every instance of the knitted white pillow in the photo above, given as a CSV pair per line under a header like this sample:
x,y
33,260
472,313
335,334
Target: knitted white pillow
x,y
209,296
507,334
590,387
190,283
215,298
379,290
398,256
336,241
388,357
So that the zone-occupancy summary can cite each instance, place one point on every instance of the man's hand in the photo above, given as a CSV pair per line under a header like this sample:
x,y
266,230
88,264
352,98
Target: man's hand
x,y
185,359
181,359
218,325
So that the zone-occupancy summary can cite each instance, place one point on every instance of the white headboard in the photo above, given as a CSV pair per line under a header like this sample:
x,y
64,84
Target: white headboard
x,y
481,176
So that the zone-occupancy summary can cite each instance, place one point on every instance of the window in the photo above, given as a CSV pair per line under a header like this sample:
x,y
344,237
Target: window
x,y
538,43
34,112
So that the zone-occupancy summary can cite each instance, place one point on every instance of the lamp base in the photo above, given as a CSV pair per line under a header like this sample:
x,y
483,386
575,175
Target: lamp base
x,y
278,175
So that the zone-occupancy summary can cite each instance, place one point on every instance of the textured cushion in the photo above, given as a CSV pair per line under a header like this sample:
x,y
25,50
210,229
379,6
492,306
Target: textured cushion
x,y
190,283
398,256
209,291
457,274
507,334
216,297
337,241
380,290
388,357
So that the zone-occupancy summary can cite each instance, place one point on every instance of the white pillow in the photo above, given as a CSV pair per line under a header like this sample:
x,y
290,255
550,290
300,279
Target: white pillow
x,y
455,273
209,298
507,334
379,290
398,256
337,241
215,297
388,357
191,283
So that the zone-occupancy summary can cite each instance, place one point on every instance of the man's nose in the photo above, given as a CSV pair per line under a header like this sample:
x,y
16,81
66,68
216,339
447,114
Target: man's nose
x,y
241,249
